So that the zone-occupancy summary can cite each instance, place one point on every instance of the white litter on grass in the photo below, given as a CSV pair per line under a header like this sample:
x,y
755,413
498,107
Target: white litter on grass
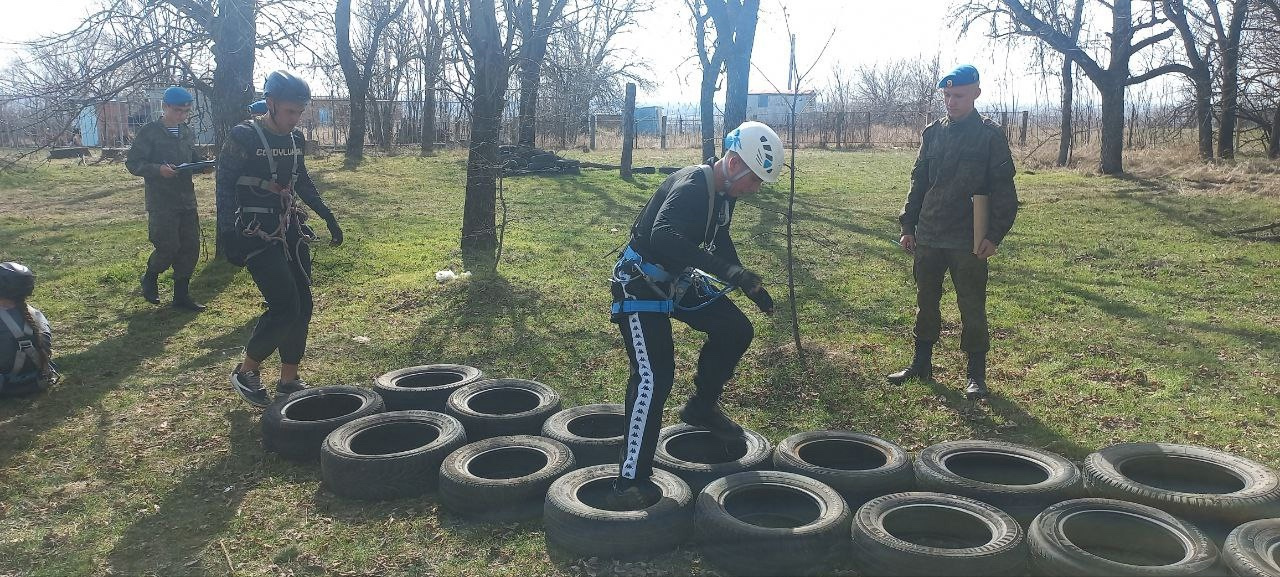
x,y
443,276
362,339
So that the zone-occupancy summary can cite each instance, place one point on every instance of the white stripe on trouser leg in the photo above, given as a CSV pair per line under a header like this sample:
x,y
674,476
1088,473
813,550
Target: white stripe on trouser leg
x,y
644,397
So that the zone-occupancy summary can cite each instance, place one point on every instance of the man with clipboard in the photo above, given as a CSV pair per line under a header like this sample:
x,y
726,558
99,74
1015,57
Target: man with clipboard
x,y
164,155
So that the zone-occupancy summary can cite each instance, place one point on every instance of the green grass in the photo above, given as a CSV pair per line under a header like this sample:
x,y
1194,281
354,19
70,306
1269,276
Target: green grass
x,y
1116,313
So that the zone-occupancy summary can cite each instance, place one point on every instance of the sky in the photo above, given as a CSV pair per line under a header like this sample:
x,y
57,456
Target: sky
x,y
861,32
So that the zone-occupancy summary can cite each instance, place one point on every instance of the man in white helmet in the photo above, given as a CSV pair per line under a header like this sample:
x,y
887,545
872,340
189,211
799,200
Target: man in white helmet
x,y
683,231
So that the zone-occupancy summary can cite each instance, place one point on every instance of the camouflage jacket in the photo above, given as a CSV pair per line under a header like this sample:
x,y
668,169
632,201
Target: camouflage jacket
x,y
153,147
960,159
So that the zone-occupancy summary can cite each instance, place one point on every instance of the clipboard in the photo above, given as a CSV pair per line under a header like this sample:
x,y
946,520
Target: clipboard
x,y
203,164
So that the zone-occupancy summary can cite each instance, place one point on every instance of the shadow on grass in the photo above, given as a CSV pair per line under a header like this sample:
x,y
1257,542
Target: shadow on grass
x,y
170,540
91,374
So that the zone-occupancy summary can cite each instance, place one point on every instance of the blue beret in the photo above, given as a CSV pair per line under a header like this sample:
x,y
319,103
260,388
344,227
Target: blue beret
x,y
962,75
259,107
177,96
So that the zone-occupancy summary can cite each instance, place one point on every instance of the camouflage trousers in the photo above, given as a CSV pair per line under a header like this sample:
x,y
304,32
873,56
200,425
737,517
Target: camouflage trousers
x,y
969,275
176,236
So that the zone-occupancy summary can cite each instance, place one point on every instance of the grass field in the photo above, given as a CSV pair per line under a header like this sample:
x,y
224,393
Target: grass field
x,y
1117,315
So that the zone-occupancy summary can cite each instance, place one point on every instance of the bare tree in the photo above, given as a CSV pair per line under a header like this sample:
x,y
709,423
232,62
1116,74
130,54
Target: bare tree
x,y
735,22
535,19
487,56
357,75
1015,17
1227,35
1260,73
711,55
431,48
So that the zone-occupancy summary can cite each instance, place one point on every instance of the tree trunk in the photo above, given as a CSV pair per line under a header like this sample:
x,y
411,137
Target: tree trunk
x,y
1068,103
233,83
707,110
479,229
1112,90
429,120
1204,111
1273,143
738,64
1231,81
530,77
357,86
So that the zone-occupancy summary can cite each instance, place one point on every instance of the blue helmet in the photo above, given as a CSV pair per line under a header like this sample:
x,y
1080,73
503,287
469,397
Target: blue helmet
x,y
259,107
16,281
177,96
283,85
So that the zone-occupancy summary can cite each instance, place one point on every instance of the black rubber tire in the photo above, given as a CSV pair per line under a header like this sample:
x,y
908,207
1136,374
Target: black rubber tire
x,y
860,467
1088,537
984,539
389,455
1019,480
588,431
425,387
296,426
502,478
500,407
578,523
1253,549
770,523
1216,490
690,443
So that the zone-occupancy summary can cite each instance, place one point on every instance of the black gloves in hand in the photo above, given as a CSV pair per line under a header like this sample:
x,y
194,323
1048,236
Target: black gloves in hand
x,y
335,231
762,299
745,279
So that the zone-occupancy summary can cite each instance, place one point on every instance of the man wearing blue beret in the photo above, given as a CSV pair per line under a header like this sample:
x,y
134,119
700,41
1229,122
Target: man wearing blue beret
x,y
172,223
962,156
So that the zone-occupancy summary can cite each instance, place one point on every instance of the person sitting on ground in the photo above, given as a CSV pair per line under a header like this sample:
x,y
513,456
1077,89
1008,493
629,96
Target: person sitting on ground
x,y
261,174
26,341
685,226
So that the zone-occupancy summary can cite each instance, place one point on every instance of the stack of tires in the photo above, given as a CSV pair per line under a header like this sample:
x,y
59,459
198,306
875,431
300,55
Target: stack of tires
x,y
505,450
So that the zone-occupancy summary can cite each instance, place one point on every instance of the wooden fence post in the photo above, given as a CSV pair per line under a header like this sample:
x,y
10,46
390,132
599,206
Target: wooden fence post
x,y
662,129
628,130
1022,134
592,129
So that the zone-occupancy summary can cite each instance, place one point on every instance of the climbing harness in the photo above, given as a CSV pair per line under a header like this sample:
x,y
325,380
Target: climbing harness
x,y
287,211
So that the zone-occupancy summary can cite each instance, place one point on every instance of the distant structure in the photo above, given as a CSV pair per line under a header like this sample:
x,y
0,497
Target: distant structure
x,y
773,107
648,120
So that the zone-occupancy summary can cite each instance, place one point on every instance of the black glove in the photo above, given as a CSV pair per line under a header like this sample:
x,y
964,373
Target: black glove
x,y
745,279
762,299
335,231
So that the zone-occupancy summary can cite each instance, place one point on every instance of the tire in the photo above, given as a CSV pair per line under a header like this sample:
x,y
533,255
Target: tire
x,y
1108,537
500,407
770,523
592,432
578,522
389,455
1021,481
859,466
502,478
1218,491
1253,549
423,388
696,456
922,533
295,428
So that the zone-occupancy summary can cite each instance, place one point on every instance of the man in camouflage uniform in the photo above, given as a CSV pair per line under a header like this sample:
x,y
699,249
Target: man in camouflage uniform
x,y
172,223
962,155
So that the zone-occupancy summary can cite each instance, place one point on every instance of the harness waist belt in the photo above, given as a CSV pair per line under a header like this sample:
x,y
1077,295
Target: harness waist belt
x,y
259,210
655,272
630,306
254,181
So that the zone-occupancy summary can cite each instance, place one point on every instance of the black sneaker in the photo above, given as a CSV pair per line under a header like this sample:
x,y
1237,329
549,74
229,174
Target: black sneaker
x,y
286,387
976,390
634,498
249,385
712,419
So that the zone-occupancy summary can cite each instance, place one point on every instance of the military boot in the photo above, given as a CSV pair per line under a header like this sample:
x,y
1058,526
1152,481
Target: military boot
x,y
709,416
182,295
921,365
976,373
150,288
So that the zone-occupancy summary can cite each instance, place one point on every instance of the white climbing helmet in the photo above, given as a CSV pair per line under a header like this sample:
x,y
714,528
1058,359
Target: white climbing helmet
x,y
759,146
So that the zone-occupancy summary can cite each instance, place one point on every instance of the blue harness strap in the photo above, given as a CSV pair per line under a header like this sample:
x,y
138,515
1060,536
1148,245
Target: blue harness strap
x,y
630,306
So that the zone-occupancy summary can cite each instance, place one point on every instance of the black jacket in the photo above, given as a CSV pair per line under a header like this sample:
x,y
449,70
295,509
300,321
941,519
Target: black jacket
x,y
673,229
243,155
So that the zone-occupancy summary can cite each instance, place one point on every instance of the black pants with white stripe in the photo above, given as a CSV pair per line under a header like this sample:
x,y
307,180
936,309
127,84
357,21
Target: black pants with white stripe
x,y
647,338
